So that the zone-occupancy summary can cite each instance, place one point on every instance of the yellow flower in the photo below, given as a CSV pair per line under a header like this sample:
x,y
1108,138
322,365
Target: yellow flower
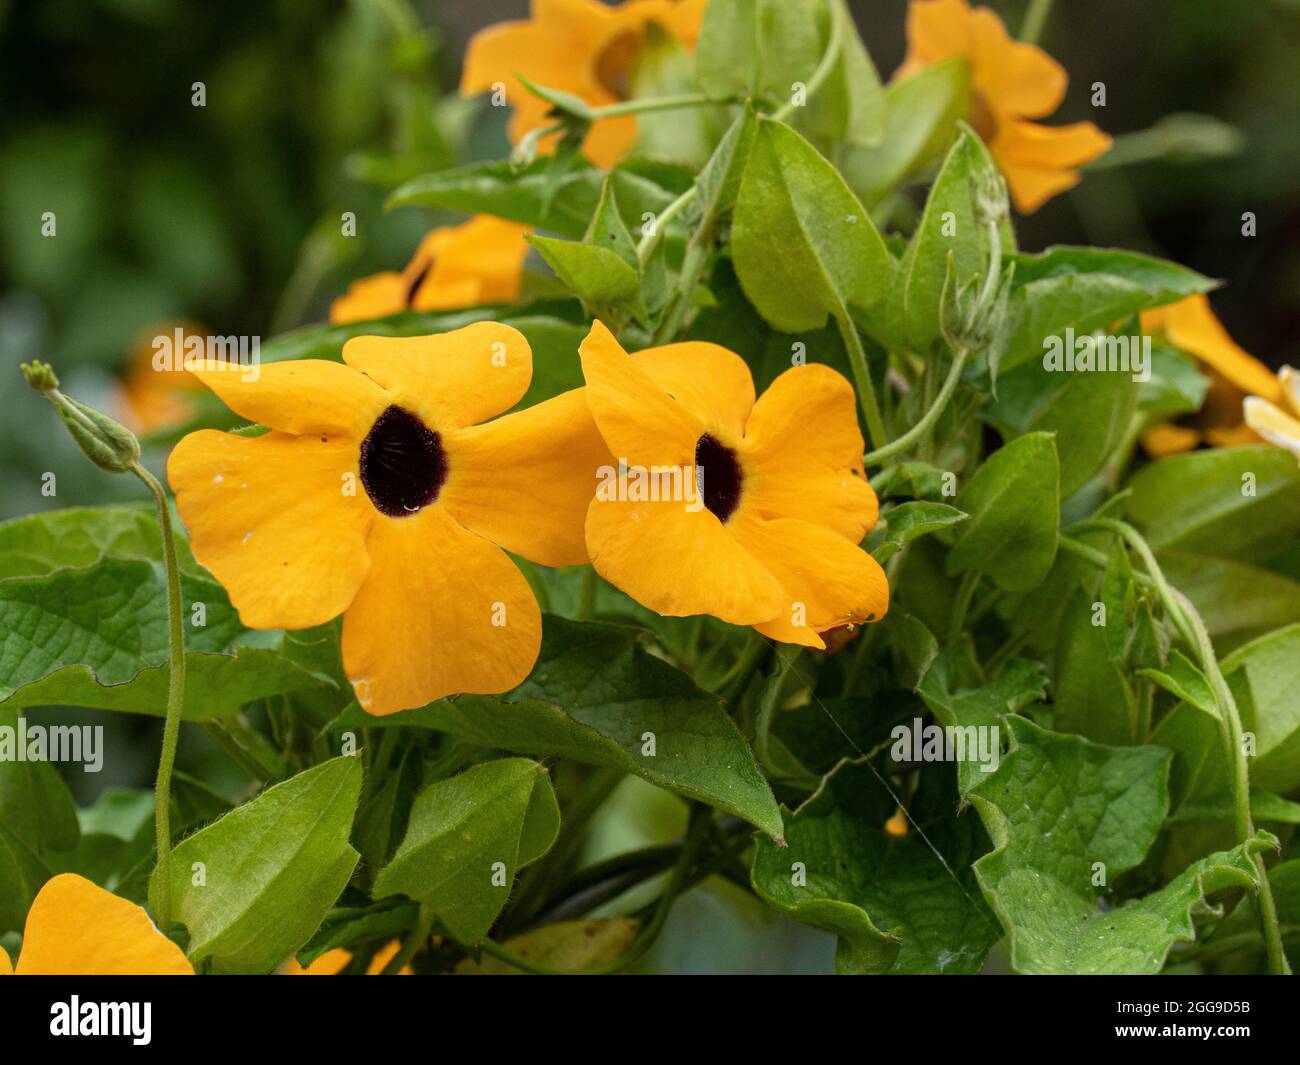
x,y
157,393
770,538
582,47
332,962
480,261
76,928
1011,82
378,495
1245,403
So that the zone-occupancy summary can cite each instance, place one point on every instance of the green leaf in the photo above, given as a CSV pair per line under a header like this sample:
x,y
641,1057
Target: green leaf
x,y
921,115
948,225
1086,289
1176,385
1184,681
97,637
1090,693
756,48
1236,600
914,480
960,705
902,524
1265,676
596,275
1089,412
35,804
1238,502
663,66
521,195
718,184
271,870
21,875
567,947
467,838
804,248
1065,813
850,106
598,697
892,902
1015,517
78,536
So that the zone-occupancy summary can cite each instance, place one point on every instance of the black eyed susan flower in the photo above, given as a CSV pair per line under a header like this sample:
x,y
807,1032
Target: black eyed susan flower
x,y
378,495
76,928
770,535
1011,83
479,261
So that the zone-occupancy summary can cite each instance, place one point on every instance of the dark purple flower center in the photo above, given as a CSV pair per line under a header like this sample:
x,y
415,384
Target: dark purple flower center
x,y
721,476
403,466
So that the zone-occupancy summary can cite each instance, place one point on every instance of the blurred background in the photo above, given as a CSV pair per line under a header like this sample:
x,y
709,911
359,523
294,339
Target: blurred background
x,y
227,215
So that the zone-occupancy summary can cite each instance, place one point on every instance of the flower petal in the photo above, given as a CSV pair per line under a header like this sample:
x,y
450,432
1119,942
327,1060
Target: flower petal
x,y
937,29
826,581
451,379
1012,77
803,451
299,396
1191,325
641,423
271,518
443,612
679,562
75,928
1040,161
481,261
6,966
1169,439
1272,423
524,480
711,382
367,298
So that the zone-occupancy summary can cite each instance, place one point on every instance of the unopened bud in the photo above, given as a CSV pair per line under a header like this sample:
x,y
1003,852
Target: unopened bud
x,y
107,443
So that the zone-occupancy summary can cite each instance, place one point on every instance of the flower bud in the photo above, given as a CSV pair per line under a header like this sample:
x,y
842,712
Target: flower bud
x,y
107,443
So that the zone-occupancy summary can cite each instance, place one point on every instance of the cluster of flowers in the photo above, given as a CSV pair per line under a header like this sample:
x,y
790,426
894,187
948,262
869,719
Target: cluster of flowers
x,y
381,493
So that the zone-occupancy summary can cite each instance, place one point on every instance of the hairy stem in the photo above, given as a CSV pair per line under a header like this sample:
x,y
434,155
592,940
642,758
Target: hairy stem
x,y
175,697
1189,623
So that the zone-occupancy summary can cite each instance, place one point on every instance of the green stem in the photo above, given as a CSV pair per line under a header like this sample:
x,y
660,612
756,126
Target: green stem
x,y
660,103
918,431
961,604
411,945
696,255
824,67
587,594
862,378
649,241
1035,18
175,698
770,702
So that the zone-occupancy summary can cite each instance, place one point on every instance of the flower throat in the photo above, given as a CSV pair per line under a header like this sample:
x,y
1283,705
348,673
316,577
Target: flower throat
x,y
403,466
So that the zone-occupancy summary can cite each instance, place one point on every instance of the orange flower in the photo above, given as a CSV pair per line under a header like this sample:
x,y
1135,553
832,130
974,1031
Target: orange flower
x,y
1010,83
582,47
768,535
378,495
480,261
76,928
157,392
1245,402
